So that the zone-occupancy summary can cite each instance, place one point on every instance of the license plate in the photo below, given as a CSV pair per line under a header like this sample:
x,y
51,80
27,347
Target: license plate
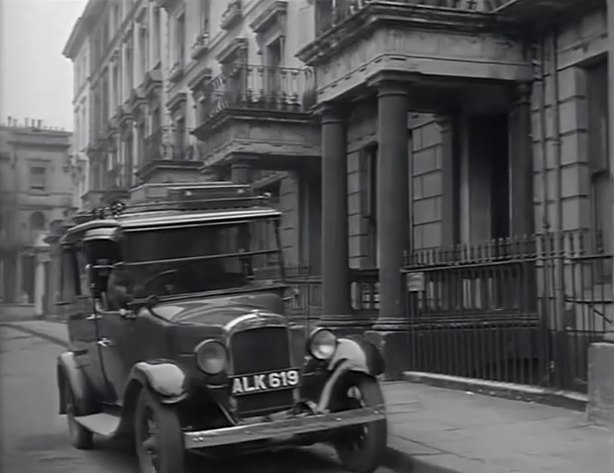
x,y
264,382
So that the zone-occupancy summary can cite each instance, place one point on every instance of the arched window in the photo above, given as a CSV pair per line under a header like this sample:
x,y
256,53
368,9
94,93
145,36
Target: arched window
x,y
37,221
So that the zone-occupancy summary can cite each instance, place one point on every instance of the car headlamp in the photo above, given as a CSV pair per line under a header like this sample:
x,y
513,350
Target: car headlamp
x,y
211,356
322,344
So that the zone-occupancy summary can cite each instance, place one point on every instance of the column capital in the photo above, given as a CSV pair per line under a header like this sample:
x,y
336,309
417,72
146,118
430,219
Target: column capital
x,y
331,112
391,83
522,91
444,121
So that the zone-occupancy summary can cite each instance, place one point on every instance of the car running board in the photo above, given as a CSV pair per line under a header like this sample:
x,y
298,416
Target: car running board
x,y
102,424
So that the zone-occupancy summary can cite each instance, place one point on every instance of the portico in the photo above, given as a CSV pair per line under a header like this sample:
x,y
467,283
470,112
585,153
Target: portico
x,y
474,80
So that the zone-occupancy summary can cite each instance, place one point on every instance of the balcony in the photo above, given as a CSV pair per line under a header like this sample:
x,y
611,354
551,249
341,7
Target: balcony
x,y
176,71
232,14
260,89
331,13
200,46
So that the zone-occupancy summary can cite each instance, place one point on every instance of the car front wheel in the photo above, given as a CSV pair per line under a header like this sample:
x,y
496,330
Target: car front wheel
x,y
158,436
360,448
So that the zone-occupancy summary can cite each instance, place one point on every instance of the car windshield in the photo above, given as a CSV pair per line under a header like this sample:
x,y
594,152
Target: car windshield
x,y
202,258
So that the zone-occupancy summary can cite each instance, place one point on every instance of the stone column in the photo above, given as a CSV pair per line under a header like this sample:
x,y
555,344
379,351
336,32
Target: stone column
x,y
392,199
39,285
389,333
335,271
240,173
521,164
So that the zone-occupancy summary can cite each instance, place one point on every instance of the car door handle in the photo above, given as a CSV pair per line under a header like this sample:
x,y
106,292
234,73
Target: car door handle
x,y
105,342
93,317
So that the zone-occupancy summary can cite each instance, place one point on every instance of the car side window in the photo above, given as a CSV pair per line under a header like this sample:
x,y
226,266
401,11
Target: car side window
x,y
81,261
69,283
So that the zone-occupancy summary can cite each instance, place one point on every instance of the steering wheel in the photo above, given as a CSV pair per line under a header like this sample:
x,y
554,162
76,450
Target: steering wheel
x,y
160,278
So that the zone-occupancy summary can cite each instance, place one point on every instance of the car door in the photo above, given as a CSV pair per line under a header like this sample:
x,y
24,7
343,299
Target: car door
x,y
116,344
81,321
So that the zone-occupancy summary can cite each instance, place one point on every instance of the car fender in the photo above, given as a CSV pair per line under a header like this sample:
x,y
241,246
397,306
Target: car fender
x,y
353,354
359,355
164,378
68,370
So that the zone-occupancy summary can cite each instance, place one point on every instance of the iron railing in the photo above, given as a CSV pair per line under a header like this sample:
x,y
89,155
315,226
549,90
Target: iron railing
x,y
246,86
517,310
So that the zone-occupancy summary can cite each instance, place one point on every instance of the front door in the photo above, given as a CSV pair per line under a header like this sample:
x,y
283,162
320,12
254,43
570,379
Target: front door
x,y
116,339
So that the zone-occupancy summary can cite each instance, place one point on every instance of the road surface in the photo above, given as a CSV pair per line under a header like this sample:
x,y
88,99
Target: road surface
x,y
34,437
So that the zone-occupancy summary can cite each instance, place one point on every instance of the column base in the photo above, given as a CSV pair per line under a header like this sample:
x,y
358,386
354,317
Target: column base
x,y
394,347
600,408
348,325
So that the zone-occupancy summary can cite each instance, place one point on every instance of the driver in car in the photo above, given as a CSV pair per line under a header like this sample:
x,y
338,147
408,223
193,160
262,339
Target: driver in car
x,y
117,289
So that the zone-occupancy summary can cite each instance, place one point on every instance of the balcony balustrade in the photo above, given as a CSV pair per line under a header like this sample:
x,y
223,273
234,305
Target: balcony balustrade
x,y
330,13
266,88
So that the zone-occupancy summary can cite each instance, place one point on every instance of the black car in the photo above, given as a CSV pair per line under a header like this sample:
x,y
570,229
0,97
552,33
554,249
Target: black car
x,y
179,339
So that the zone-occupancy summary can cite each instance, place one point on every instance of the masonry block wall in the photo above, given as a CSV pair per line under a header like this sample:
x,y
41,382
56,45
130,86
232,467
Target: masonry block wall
x,y
426,184
425,181
361,133
576,46
289,205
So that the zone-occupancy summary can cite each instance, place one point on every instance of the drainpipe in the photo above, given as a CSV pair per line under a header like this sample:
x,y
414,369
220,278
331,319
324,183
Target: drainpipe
x,y
559,293
610,335
543,137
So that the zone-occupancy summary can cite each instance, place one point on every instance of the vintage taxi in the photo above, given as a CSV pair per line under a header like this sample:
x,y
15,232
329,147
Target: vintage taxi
x,y
178,338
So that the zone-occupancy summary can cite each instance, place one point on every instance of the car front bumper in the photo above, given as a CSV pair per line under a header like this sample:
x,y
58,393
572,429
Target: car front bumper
x,y
281,428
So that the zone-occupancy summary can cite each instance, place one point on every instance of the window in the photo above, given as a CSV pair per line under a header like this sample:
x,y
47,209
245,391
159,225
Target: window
x,y
37,221
144,46
370,201
204,16
179,138
69,283
180,39
38,178
156,34
598,154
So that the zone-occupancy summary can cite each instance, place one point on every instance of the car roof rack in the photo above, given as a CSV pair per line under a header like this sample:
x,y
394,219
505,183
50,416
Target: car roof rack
x,y
184,197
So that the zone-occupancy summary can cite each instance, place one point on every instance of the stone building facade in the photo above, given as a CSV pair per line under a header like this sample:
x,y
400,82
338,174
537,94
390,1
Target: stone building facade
x,y
37,174
195,90
458,138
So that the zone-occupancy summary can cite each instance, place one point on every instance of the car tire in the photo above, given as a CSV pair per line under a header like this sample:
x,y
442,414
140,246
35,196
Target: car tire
x,y
158,436
361,448
80,437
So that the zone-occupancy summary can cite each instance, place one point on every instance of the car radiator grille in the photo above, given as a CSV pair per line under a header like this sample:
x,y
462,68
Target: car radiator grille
x,y
257,351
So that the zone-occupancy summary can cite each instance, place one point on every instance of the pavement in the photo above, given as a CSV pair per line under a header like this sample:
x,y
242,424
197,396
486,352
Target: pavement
x,y
440,430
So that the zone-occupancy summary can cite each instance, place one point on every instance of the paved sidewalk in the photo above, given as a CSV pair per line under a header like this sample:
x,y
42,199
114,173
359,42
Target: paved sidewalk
x,y
439,430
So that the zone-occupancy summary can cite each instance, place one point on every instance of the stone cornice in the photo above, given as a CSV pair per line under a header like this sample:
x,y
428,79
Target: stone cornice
x,y
235,45
409,15
176,101
264,20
